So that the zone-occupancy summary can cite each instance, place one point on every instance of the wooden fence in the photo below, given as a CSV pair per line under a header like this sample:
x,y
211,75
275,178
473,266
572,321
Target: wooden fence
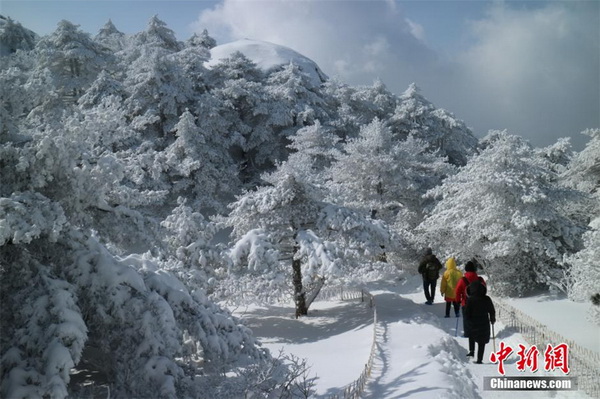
x,y
355,388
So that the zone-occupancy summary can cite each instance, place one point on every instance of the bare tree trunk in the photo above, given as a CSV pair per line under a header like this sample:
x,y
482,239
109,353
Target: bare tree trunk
x,y
299,294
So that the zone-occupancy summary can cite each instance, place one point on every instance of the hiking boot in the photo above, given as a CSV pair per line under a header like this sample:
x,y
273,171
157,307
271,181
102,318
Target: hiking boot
x,y
446,316
470,354
479,362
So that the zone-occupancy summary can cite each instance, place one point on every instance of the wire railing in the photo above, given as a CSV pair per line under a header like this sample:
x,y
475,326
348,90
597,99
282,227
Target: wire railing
x,y
356,387
584,363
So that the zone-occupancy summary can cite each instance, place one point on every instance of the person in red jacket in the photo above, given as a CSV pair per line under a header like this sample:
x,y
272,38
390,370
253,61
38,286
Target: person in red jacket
x,y
460,293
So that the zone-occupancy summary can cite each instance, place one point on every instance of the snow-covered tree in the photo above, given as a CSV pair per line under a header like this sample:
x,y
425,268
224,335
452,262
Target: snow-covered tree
x,y
284,231
158,92
156,35
13,37
15,99
505,207
439,128
585,271
557,155
110,37
202,40
378,174
67,299
244,107
293,99
583,171
104,86
72,57
314,148
352,107
198,165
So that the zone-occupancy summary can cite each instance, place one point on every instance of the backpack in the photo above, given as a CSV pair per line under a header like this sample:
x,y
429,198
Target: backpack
x,y
431,271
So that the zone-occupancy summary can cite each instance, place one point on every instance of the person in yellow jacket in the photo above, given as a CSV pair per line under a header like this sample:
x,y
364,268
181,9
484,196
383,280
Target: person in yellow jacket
x,y
450,279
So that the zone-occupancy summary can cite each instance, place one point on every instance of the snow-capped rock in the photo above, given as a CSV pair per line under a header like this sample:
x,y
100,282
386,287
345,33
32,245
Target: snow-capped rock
x,y
268,57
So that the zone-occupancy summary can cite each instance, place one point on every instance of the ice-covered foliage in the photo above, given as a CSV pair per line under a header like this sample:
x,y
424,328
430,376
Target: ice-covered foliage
x,y
505,207
297,232
583,171
585,271
383,176
68,300
158,36
197,165
43,341
72,57
109,36
314,147
13,37
439,128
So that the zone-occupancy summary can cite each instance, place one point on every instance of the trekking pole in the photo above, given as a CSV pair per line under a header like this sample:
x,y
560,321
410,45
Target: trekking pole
x,y
456,329
493,337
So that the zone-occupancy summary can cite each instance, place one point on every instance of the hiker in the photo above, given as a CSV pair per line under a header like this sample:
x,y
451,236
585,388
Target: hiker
x,y
479,313
450,279
460,293
429,269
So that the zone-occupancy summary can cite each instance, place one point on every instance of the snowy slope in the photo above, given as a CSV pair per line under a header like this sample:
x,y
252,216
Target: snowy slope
x,y
268,57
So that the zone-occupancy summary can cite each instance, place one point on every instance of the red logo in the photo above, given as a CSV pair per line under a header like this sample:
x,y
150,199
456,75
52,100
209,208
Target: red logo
x,y
555,357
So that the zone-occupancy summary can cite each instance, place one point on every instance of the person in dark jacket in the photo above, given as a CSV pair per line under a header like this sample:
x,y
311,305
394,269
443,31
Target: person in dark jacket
x,y
479,313
461,290
429,269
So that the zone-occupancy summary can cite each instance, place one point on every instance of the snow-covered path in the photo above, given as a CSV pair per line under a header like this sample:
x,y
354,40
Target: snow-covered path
x,y
423,356
419,353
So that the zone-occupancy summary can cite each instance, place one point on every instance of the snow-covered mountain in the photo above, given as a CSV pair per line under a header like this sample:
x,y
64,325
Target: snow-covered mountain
x,y
268,57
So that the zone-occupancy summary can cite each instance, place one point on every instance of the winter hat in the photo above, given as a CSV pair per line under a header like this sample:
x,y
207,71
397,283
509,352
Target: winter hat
x,y
470,267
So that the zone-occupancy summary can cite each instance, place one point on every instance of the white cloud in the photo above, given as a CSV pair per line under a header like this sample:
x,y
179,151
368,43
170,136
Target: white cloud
x,y
533,70
537,71
416,30
356,40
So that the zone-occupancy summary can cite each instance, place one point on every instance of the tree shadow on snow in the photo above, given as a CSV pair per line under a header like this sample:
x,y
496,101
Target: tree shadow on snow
x,y
506,332
278,322
390,390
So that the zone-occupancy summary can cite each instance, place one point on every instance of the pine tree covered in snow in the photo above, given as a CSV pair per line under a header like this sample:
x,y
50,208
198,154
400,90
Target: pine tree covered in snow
x,y
505,207
439,128
109,36
72,58
286,230
14,37
583,173
383,176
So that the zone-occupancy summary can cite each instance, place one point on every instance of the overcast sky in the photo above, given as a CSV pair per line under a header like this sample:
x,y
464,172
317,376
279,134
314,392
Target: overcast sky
x,y
531,67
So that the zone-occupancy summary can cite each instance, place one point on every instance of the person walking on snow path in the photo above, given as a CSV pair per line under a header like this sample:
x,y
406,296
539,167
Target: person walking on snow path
x,y
450,279
460,293
429,269
479,313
